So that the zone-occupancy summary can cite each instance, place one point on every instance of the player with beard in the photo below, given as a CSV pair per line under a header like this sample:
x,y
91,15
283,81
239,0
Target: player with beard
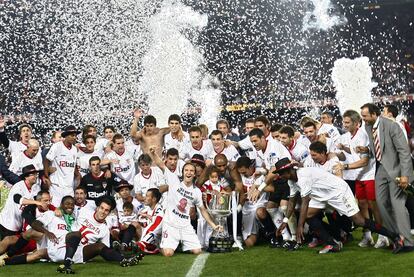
x,y
62,156
97,182
81,202
15,147
298,151
176,224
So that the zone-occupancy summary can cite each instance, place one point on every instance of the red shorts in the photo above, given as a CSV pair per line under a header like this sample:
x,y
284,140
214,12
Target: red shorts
x,y
365,190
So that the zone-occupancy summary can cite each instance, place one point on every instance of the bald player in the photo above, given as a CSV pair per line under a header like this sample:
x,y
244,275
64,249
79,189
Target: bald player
x,y
31,155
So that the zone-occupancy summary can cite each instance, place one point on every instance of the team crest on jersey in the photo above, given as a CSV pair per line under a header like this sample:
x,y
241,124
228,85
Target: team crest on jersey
x,y
182,205
104,184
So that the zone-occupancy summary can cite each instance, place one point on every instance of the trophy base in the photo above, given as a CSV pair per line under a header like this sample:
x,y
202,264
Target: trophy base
x,y
220,245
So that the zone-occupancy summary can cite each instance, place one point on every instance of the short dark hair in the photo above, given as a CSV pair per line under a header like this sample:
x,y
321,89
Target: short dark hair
x,y
263,119
372,108
222,121
155,193
88,137
392,109
195,129
217,132
112,128
318,147
94,158
117,136
256,132
86,129
109,200
249,120
287,129
150,119
245,161
128,206
172,152
276,127
328,113
82,188
175,117
309,124
145,158
66,197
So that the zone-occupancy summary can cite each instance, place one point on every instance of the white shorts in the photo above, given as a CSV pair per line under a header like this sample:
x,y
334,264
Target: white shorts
x,y
171,236
250,225
57,193
344,203
58,254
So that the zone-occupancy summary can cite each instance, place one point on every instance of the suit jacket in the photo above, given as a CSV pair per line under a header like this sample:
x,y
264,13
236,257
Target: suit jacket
x,y
6,173
395,152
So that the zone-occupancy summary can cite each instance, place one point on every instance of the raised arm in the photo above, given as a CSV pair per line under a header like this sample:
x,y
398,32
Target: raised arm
x,y
134,127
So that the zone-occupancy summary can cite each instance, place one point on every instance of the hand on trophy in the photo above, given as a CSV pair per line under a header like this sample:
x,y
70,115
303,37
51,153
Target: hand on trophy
x,y
218,228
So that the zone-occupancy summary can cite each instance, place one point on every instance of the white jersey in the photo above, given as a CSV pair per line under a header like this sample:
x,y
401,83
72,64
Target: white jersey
x,y
11,215
128,219
15,147
123,165
331,130
248,182
304,141
101,143
189,151
21,160
89,205
298,151
91,230
150,224
154,180
246,145
179,201
230,152
82,160
171,142
317,183
327,166
138,206
273,152
359,139
57,226
134,149
64,160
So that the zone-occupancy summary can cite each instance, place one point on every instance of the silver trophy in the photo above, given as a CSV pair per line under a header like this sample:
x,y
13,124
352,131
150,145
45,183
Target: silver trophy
x,y
220,207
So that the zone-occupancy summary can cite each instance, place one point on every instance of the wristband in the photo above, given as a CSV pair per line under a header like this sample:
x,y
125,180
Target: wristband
x,y
262,186
285,220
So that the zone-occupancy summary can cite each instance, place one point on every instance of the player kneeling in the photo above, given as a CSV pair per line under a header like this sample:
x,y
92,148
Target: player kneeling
x,y
176,224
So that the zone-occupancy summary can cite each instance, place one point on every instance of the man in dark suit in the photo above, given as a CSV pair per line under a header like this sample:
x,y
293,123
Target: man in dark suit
x,y
6,173
394,172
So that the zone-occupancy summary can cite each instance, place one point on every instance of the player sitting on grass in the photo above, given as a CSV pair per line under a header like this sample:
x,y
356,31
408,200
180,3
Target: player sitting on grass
x,y
319,189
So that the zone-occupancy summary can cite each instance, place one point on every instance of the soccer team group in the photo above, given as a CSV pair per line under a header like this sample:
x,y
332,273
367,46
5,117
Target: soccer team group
x,y
87,196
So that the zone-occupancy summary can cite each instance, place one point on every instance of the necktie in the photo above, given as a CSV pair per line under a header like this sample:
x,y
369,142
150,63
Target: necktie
x,y
377,144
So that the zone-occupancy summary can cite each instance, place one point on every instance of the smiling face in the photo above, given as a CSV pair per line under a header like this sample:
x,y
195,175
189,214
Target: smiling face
x,y
80,197
102,211
174,126
196,139
188,173
68,205
70,139
367,117
90,144
259,143
310,133
218,142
